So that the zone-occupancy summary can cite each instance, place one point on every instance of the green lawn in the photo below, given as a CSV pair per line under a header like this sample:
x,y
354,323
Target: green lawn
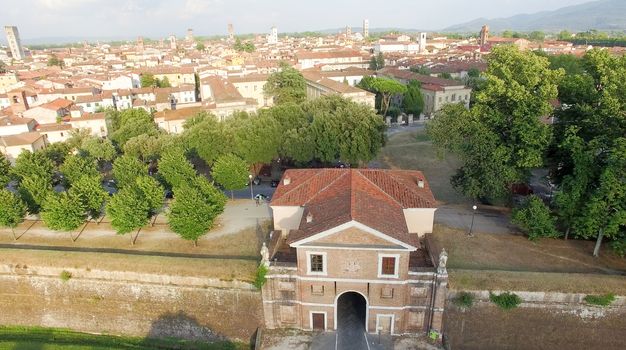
x,y
36,338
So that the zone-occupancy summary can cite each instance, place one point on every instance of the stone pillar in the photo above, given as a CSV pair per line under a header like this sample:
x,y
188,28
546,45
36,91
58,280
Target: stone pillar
x,y
435,329
400,119
388,121
410,119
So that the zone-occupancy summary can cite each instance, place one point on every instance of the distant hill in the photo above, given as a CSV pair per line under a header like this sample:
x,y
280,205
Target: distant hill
x,y
605,15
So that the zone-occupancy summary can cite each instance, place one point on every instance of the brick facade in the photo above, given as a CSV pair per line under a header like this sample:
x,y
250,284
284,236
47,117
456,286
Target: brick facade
x,y
392,271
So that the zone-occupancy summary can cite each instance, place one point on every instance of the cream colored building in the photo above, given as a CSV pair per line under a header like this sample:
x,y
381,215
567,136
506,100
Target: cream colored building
x,y
251,86
7,82
11,146
317,86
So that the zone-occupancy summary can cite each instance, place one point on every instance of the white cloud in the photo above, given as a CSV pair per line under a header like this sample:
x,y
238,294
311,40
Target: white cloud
x,y
193,8
56,4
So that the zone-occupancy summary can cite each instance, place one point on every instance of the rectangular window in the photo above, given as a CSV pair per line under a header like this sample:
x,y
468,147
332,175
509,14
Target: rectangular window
x,y
389,266
317,263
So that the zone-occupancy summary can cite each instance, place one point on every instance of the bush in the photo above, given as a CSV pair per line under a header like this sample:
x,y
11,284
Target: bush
x,y
619,247
600,300
534,218
259,279
65,276
506,300
464,299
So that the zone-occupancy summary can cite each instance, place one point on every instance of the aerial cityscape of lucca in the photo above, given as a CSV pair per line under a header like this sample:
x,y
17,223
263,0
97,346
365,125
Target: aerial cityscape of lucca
x,y
336,175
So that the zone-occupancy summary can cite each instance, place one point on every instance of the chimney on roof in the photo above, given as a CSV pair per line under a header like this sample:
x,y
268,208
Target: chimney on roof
x,y
309,218
420,183
286,181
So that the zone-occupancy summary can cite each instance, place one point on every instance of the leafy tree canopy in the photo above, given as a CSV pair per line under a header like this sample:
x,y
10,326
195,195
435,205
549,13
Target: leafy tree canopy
x,y
288,85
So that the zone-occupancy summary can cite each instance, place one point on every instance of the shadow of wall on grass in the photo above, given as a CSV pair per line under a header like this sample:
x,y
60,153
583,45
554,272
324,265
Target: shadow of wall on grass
x,y
182,326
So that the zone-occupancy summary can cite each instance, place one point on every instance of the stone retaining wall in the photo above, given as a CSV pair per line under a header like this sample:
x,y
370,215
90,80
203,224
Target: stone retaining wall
x,y
541,321
129,303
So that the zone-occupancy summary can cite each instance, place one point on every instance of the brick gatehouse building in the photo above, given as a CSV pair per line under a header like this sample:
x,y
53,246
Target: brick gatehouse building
x,y
353,236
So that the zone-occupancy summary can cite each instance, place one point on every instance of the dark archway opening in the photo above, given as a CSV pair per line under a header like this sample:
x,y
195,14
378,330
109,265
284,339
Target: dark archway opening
x,y
351,312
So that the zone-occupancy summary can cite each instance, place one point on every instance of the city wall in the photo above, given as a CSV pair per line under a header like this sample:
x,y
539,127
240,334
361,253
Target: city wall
x,y
542,321
129,303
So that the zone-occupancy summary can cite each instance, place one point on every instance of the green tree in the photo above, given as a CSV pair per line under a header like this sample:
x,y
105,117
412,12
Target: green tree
x,y
129,211
133,122
194,209
76,166
344,130
56,152
445,75
537,35
605,211
387,88
164,83
502,135
147,80
208,137
423,70
88,189
535,219
373,64
147,147
231,172
413,102
380,61
288,85
564,35
5,171
34,190
53,60
257,140
12,210
30,164
98,148
126,170
175,168
152,192
63,212
200,46
588,144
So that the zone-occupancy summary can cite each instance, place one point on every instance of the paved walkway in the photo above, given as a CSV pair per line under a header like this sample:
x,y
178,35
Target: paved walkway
x,y
486,219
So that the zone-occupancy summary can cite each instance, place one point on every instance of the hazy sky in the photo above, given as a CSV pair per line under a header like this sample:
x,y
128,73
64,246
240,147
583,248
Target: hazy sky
x,y
158,18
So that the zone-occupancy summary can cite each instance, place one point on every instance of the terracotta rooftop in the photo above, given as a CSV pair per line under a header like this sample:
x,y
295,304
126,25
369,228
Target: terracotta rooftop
x,y
373,197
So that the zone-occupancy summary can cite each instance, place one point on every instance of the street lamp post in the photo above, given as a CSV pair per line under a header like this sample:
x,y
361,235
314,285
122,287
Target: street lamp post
x,y
251,193
474,207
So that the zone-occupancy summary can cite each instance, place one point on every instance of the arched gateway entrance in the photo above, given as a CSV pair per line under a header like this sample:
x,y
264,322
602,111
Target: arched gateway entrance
x,y
351,312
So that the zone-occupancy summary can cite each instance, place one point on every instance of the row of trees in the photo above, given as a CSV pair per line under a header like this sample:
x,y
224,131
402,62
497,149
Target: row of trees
x,y
502,137
325,130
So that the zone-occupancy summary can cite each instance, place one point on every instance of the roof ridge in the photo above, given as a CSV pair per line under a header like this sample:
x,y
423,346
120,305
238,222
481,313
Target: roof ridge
x,y
381,189
325,187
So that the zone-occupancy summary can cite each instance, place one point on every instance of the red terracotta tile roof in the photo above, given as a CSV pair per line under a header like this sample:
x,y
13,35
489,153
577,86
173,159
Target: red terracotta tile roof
x,y
373,197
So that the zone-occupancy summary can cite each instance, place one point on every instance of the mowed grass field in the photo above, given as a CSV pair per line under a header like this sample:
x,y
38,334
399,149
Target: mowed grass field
x,y
36,338
413,150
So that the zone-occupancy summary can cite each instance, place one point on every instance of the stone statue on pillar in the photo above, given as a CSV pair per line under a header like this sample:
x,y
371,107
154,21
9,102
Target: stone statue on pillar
x,y
265,255
443,260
